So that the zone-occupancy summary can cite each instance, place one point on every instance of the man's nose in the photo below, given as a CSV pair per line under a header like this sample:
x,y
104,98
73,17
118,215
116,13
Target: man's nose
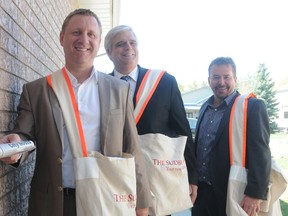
x,y
84,38
221,80
128,46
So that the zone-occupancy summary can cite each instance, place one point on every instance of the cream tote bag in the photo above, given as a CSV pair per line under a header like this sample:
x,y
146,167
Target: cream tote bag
x,y
167,173
164,157
238,174
104,185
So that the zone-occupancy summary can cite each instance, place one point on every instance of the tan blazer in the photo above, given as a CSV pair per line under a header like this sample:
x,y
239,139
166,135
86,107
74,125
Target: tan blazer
x,y
40,119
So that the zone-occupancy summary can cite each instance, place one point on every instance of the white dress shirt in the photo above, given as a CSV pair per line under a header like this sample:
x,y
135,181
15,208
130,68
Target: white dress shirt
x,y
87,98
133,78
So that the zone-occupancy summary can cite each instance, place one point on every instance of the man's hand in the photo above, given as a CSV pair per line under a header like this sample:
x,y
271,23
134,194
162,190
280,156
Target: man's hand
x,y
193,192
142,212
9,139
251,205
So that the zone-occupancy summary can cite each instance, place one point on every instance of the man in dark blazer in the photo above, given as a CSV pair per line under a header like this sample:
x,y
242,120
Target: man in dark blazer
x,y
212,145
40,118
165,112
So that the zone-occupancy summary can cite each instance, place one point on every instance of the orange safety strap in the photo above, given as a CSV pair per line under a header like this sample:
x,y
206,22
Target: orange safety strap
x,y
49,80
244,127
231,130
148,97
76,111
142,84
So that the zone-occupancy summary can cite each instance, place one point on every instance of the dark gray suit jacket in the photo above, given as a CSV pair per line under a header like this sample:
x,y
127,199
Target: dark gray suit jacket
x,y
165,114
258,156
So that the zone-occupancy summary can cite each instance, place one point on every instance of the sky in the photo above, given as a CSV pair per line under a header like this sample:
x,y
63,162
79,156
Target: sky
x,y
184,36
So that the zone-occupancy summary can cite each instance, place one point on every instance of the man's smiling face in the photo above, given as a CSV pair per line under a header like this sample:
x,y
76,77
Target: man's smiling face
x,y
81,40
124,51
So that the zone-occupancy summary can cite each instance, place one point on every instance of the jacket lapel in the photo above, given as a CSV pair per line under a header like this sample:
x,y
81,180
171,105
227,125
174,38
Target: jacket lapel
x,y
57,113
200,117
142,72
223,123
104,98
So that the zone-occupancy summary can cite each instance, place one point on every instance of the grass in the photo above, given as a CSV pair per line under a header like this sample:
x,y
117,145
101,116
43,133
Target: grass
x,y
281,141
284,207
279,136
283,162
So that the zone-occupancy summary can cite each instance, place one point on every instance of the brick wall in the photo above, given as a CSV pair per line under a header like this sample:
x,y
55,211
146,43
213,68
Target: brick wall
x,y
29,49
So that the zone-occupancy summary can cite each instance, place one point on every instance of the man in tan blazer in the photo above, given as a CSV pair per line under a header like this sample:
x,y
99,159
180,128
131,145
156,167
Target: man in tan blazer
x,y
106,112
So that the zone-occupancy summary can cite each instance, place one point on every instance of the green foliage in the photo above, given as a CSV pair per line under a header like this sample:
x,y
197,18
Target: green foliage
x,y
246,85
264,89
284,206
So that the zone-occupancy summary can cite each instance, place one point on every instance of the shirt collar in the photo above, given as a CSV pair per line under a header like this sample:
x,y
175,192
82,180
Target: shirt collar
x,y
133,74
227,100
230,97
74,81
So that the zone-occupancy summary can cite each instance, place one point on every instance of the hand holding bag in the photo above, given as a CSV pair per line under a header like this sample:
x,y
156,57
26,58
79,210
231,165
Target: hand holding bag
x,y
238,174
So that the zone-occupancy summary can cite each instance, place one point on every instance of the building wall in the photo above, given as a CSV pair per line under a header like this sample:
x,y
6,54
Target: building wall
x,y
282,120
194,99
29,49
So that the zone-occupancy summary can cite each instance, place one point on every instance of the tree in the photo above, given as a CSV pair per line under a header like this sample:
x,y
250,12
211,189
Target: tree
x,y
247,84
264,89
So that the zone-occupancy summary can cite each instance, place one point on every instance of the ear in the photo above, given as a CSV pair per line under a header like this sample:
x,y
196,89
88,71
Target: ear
x,y
61,38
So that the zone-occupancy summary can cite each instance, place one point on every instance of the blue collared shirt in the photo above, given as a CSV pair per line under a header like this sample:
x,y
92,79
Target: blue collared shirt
x,y
207,134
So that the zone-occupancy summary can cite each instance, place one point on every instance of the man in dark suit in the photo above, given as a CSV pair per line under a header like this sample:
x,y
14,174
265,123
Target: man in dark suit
x,y
106,114
212,145
164,113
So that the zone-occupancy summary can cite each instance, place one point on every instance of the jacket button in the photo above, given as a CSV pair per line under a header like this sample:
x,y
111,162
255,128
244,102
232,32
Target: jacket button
x,y
60,189
59,160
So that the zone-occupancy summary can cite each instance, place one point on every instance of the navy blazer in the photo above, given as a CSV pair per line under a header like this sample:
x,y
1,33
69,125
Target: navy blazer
x,y
258,156
165,114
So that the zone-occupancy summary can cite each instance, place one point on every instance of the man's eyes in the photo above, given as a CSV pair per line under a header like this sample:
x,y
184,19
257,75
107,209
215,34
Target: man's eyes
x,y
219,77
91,34
76,33
120,44
123,44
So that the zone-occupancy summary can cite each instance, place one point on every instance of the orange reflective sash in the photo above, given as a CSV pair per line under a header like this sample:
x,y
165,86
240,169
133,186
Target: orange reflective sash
x,y
237,130
146,90
61,85
238,173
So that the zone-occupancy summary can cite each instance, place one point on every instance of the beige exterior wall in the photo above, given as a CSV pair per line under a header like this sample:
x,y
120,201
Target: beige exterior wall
x,y
282,120
29,49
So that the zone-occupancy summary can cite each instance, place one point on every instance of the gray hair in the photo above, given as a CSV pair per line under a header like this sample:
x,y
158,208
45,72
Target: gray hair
x,y
113,32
